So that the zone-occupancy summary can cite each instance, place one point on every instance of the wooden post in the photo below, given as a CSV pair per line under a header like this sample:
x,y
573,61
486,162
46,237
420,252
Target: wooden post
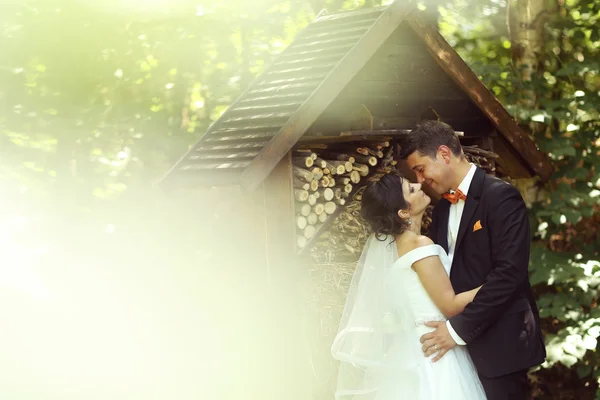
x,y
289,355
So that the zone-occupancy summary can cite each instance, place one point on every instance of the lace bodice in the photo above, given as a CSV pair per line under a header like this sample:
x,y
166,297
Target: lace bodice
x,y
405,278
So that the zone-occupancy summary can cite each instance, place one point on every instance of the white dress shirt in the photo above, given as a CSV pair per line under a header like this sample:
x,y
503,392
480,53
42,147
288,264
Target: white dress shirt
x,y
455,214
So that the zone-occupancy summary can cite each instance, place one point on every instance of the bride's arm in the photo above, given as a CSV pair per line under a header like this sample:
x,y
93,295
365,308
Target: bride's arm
x,y
465,298
436,282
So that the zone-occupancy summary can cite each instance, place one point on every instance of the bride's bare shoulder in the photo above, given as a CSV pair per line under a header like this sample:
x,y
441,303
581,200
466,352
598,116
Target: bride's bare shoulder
x,y
423,241
412,242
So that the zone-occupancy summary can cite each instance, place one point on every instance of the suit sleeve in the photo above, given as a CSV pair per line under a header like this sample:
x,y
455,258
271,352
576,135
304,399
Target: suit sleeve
x,y
509,227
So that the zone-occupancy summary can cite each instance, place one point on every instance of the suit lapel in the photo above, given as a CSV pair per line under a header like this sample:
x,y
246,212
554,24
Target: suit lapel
x,y
470,206
442,232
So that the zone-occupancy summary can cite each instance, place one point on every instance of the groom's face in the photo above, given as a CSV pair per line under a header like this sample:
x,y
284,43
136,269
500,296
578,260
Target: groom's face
x,y
430,171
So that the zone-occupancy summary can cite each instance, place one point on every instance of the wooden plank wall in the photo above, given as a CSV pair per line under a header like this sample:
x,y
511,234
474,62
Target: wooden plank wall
x,y
401,85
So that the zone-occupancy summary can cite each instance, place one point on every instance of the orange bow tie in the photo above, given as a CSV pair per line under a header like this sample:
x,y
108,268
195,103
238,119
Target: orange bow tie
x,y
455,197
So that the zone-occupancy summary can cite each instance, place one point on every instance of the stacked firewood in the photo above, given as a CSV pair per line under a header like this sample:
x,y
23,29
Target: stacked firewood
x,y
345,235
345,238
326,179
484,159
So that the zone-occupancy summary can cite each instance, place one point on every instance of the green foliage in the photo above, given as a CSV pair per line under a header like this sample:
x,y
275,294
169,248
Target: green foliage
x,y
104,87
108,97
566,124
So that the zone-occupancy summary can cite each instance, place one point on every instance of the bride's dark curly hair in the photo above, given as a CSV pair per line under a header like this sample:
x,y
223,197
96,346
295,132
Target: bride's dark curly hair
x,y
381,201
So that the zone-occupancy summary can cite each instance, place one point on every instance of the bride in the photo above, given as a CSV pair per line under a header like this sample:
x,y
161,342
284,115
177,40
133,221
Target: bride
x,y
401,282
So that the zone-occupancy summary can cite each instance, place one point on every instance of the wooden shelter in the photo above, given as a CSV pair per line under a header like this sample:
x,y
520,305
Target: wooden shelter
x,y
349,79
333,108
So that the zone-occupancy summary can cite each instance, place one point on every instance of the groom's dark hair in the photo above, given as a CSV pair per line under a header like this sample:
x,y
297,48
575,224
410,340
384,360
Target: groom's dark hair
x,y
427,137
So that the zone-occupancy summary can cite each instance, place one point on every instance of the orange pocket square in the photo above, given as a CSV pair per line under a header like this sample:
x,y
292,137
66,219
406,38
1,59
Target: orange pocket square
x,y
477,226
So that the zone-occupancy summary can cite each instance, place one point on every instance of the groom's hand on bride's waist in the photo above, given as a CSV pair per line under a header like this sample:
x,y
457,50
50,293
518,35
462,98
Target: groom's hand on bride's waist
x,y
438,341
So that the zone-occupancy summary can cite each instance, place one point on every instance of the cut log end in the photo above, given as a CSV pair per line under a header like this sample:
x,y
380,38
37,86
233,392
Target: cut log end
x,y
327,193
330,207
314,185
301,221
305,209
317,173
303,174
318,209
303,162
319,162
309,231
301,242
362,169
301,195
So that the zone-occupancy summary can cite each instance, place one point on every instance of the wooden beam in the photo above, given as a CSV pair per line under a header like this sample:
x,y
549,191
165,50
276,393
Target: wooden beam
x,y
307,141
391,132
357,136
460,72
510,162
325,93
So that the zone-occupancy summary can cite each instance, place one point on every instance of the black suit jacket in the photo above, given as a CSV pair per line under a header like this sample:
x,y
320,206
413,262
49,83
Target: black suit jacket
x,y
501,326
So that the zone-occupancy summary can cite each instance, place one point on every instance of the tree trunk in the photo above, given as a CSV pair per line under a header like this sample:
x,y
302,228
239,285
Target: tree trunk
x,y
526,20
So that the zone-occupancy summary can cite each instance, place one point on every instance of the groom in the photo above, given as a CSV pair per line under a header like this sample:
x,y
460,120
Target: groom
x,y
482,224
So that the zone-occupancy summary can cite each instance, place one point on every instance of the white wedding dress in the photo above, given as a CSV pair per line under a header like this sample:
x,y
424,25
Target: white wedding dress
x,y
378,341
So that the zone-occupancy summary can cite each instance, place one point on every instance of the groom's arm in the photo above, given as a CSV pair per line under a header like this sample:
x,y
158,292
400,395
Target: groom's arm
x,y
508,226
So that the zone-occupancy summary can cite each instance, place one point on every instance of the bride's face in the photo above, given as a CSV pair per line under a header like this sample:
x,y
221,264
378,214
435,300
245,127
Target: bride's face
x,y
415,196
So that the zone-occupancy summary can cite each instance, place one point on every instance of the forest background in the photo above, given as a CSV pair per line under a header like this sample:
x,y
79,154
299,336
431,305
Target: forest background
x,y
98,100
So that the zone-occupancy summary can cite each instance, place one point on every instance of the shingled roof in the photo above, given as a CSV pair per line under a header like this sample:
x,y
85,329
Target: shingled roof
x,y
265,122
